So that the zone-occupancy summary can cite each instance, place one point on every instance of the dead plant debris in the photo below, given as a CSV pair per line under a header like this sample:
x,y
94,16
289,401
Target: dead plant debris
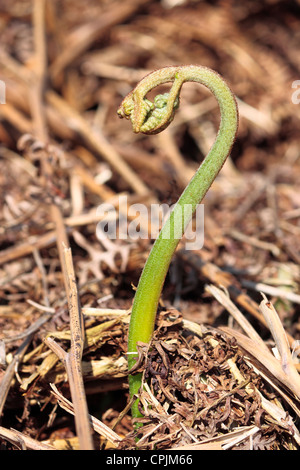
x,y
198,388
222,369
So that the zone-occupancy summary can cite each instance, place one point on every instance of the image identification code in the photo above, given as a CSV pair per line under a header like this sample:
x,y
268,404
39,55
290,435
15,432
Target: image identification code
x,y
155,459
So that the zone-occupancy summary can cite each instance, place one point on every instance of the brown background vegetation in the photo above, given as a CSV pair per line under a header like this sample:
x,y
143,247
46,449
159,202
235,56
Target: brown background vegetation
x,y
66,66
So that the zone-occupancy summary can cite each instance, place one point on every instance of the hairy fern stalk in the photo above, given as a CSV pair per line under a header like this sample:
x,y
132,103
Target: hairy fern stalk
x,y
151,118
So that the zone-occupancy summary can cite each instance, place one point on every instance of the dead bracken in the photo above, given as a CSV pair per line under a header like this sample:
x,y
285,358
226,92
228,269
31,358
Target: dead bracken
x,y
199,389
222,370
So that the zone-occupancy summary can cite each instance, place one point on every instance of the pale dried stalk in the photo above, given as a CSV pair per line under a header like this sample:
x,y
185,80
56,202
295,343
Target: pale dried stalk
x,y
105,312
26,248
22,441
225,300
98,426
16,118
277,413
242,437
255,242
73,358
271,290
280,416
36,89
225,279
38,306
10,372
219,442
267,360
97,141
280,338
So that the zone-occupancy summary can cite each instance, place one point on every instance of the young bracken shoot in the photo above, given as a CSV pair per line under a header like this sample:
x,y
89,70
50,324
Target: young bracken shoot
x,y
152,118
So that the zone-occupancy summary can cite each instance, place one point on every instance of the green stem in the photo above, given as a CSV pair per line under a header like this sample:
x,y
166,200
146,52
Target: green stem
x,y
139,110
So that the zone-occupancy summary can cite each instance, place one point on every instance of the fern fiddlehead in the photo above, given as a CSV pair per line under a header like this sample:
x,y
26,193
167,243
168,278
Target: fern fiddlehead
x,y
152,118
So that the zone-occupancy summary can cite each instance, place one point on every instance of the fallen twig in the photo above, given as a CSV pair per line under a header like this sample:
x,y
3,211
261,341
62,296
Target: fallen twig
x,y
72,359
281,342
